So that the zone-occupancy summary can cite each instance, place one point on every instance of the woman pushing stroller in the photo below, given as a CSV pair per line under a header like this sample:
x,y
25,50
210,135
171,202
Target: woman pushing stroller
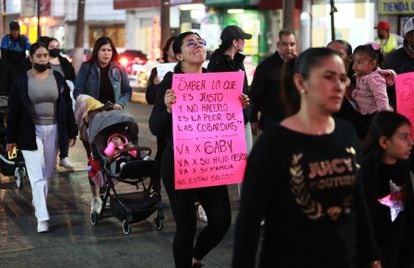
x,y
104,79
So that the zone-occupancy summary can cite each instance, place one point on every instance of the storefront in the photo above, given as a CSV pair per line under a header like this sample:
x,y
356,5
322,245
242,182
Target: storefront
x,y
398,11
354,21
246,15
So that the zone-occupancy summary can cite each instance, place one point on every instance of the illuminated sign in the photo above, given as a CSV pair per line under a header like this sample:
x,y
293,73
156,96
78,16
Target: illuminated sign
x,y
395,7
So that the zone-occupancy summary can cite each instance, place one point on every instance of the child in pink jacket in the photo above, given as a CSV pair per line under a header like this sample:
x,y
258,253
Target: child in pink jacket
x,y
370,93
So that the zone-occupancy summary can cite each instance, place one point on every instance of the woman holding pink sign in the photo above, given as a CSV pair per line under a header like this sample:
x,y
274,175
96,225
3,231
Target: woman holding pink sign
x,y
190,52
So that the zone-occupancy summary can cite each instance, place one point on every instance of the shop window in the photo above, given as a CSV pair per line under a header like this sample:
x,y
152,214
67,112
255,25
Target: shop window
x,y
115,32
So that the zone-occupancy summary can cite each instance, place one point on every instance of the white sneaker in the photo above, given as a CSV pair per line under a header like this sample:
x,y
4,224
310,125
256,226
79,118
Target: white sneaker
x,y
42,227
96,204
64,162
202,216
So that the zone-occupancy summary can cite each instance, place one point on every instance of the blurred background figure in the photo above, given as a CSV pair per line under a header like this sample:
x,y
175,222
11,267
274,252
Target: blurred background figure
x,y
14,46
153,80
348,108
266,84
388,41
227,58
65,68
402,59
150,95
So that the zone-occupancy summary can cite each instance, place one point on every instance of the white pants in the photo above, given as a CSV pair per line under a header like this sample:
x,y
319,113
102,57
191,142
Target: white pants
x,y
40,165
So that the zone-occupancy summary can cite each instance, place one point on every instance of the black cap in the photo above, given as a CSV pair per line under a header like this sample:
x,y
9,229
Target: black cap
x,y
14,26
233,32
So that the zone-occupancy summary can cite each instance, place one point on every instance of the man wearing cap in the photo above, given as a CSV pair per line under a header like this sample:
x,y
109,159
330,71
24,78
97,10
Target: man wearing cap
x,y
402,59
387,40
14,46
227,58
265,88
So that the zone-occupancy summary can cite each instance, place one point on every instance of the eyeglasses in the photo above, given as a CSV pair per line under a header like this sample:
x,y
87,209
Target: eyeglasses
x,y
194,43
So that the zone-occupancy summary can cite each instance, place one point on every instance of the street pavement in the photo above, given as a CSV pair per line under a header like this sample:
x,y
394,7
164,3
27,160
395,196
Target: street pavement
x,y
73,241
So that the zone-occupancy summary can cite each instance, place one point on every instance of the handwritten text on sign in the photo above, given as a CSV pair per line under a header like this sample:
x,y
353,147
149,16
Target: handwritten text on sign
x,y
208,129
405,97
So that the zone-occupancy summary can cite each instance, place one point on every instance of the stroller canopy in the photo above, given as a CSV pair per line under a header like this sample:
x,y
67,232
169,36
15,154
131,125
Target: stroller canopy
x,y
113,118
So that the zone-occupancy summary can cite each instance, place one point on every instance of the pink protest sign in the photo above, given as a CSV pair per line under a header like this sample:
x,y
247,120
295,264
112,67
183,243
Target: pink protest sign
x,y
208,129
404,90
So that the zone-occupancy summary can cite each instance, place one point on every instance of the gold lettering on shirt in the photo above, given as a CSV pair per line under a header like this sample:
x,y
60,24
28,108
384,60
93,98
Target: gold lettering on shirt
x,y
323,175
329,167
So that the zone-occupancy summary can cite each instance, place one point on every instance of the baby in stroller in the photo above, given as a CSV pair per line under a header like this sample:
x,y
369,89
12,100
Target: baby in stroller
x,y
11,164
113,143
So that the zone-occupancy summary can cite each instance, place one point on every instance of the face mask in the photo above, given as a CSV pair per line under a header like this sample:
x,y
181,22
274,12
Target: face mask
x,y
41,67
54,52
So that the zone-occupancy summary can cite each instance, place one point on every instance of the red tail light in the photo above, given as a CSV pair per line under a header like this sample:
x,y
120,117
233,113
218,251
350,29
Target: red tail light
x,y
123,61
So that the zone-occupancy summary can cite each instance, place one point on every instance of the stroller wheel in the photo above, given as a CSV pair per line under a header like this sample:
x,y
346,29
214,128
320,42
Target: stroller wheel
x,y
158,223
19,175
126,227
93,218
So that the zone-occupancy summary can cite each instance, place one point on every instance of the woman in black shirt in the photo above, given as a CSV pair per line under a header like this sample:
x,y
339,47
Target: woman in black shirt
x,y
301,178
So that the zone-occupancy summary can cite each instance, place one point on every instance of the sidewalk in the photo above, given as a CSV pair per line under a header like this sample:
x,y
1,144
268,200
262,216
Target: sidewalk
x,y
73,242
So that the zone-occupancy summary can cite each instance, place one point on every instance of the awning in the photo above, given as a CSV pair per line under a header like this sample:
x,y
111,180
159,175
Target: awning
x,y
125,4
276,4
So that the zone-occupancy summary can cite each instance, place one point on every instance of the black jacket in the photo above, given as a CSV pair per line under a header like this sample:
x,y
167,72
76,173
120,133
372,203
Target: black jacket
x,y
220,62
265,89
20,126
369,176
6,77
401,62
67,68
151,92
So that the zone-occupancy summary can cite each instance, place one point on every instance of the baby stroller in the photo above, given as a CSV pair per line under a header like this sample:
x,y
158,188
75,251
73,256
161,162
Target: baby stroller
x,y
136,169
13,164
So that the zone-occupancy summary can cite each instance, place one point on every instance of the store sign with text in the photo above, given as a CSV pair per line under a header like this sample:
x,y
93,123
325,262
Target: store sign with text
x,y
396,7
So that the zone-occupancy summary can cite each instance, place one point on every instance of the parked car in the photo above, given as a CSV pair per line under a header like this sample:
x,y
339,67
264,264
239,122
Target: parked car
x,y
134,61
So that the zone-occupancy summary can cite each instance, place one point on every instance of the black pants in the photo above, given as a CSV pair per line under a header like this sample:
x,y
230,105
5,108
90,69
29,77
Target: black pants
x,y
161,143
88,154
215,201
64,151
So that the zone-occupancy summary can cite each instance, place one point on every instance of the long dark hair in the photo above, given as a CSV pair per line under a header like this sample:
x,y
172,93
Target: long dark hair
x,y
225,44
385,124
166,47
101,41
303,64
